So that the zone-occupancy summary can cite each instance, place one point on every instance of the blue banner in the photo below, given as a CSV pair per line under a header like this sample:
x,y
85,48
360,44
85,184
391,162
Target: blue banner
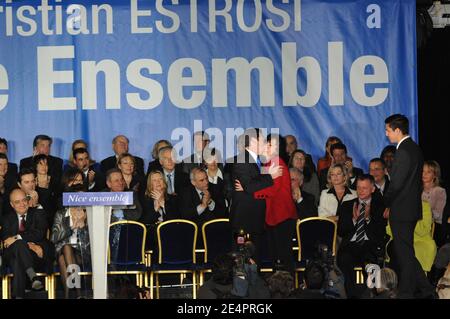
x,y
154,69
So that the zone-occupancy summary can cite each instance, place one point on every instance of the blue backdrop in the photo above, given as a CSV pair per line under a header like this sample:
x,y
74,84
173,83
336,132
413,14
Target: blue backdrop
x,y
312,68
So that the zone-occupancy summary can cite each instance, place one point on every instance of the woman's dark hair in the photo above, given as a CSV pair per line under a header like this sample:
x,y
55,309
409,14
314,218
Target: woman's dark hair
x,y
281,145
307,170
39,158
69,176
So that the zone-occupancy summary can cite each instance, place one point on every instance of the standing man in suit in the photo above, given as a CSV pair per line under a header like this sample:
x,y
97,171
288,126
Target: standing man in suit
x,y
248,213
120,146
403,200
42,145
201,141
26,249
363,230
200,202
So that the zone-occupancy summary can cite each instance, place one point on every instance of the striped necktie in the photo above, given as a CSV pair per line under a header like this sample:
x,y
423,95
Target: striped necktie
x,y
360,224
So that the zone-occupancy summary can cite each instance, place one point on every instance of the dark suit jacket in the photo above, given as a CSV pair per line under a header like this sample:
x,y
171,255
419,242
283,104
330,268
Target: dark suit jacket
x,y
111,162
405,189
307,207
154,166
150,216
190,200
323,177
35,232
181,179
12,171
99,179
375,229
247,212
55,166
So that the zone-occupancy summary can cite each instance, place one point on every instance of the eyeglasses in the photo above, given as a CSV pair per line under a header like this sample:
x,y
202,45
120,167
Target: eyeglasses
x,y
19,201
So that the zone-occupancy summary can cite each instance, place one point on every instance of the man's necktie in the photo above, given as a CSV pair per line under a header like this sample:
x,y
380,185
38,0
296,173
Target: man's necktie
x,y
170,183
258,162
22,224
201,195
360,224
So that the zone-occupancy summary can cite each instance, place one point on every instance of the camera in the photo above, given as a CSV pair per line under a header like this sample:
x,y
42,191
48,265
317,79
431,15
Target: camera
x,y
324,256
245,251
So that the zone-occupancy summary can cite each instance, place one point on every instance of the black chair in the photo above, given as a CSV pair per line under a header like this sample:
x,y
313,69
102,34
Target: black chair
x,y
176,251
126,250
216,236
312,232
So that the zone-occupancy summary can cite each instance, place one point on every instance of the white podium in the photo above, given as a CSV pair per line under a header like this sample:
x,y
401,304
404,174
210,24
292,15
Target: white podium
x,y
98,208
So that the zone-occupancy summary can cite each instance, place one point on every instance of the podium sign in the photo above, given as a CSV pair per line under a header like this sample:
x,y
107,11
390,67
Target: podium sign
x,y
98,208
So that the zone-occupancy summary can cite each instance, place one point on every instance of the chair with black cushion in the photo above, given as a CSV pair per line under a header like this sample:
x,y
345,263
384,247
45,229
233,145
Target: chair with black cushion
x,y
176,251
126,250
312,232
216,236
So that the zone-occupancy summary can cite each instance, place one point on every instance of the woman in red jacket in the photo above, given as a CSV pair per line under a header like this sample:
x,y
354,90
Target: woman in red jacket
x,y
280,208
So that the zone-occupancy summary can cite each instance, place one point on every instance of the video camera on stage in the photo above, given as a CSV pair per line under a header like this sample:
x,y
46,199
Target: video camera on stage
x,y
245,251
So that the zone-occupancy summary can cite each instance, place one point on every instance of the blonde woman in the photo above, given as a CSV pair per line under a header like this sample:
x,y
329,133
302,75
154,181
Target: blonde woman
x,y
435,195
158,205
337,191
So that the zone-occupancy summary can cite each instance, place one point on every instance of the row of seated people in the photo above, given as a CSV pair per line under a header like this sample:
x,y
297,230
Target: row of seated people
x,y
340,183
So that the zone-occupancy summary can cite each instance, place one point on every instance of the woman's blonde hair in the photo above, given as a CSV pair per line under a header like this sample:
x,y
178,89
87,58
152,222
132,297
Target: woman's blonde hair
x,y
344,172
149,188
436,169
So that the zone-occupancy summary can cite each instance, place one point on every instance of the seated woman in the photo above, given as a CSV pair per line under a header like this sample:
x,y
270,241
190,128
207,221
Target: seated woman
x,y
70,234
424,245
127,164
46,186
336,193
310,179
436,196
158,205
325,162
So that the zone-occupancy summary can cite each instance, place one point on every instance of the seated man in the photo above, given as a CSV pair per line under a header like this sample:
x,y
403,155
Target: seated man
x,y
42,145
7,182
200,201
116,183
377,168
120,146
362,228
304,202
176,179
26,249
92,178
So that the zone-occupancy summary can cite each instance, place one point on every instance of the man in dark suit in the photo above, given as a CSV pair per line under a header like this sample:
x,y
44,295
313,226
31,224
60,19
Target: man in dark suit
x,y
305,203
7,183
26,249
120,146
176,178
200,202
93,179
403,200
12,167
42,145
246,212
363,230
200,140
338,152
116,183
377,168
